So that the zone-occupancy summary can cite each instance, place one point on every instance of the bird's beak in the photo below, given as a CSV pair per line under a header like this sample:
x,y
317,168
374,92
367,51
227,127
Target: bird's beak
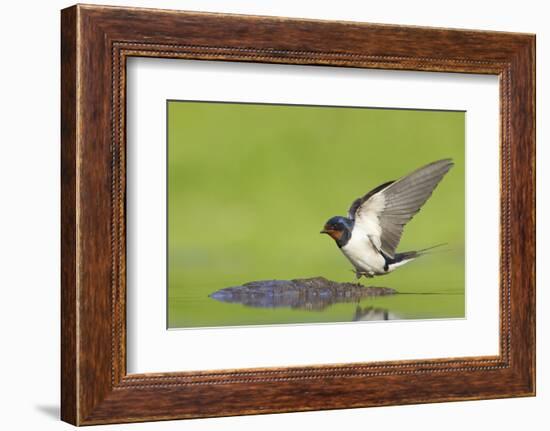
x,y
324,231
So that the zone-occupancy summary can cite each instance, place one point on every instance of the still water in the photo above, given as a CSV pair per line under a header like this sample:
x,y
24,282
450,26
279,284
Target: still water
x,y
268,303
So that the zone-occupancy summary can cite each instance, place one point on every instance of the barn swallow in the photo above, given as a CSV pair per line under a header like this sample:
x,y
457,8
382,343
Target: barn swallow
x,y
371,232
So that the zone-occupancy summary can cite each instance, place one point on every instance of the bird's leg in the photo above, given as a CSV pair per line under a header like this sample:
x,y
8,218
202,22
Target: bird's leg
x,y
359,274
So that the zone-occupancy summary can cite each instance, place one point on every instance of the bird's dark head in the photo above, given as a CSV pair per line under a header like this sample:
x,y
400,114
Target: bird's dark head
x,y
339,228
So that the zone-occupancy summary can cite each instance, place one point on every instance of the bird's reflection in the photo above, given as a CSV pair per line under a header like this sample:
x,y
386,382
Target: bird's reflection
x,y
313,294
372,313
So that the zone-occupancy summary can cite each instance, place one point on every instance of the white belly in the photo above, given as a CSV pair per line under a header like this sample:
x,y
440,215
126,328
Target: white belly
x,y
361,253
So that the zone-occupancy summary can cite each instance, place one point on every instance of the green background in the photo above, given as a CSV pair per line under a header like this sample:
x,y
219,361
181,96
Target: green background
x,y
250,186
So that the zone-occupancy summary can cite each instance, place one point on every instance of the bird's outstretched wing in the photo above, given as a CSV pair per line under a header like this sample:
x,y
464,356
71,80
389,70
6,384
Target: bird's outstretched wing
x,y
385,210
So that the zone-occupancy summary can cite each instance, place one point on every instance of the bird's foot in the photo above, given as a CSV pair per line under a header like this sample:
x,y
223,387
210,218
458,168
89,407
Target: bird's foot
x,y
359,274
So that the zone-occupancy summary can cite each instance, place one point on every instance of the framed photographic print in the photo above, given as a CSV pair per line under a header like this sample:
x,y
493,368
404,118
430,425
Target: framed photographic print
x,y
265,214
244,197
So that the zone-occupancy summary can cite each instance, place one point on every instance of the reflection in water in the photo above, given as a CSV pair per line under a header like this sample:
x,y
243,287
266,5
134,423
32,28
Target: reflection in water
x,y
308,294
372,313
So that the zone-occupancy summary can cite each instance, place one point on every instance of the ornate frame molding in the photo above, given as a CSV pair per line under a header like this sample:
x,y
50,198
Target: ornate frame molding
x,y
96,41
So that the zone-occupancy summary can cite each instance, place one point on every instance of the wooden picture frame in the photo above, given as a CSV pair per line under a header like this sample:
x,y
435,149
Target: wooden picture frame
x,y
95,43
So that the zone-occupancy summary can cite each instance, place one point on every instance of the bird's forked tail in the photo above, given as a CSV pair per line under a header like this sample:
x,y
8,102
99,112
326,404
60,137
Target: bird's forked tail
x,y
406,256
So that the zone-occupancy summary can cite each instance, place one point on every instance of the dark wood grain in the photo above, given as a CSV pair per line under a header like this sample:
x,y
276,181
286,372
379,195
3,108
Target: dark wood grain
x,y
96,41
69,398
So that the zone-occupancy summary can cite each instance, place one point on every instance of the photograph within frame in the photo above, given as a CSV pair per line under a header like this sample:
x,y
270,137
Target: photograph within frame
x,y
154,81
298,165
